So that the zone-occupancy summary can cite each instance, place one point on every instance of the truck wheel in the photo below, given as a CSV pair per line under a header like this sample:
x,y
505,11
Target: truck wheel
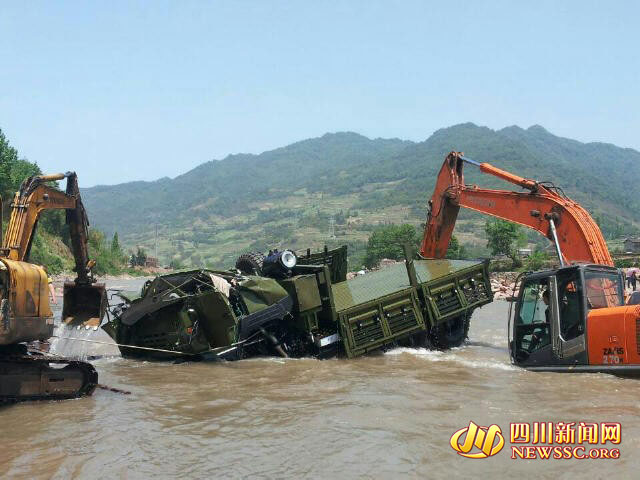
x,y
250,263
450,334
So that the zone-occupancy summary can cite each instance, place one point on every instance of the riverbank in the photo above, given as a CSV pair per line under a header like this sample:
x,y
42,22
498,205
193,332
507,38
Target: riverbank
x,y
503,284
60,279
131,274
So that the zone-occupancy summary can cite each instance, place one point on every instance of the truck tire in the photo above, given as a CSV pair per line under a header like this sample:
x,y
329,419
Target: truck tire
x,y
250,263
451,333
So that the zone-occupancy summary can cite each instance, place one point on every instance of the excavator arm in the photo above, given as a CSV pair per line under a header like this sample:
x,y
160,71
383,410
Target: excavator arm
x,y
543,208
34,197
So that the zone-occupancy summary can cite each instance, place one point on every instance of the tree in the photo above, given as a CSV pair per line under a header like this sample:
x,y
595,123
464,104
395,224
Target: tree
x,y
13,171
503,237
536,261
456,251
387,242
139,258
115,244
196,259
176,263
117,254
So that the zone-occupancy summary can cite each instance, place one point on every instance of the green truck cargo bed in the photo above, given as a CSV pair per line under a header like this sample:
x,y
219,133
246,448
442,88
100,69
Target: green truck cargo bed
x,y
373,285
383,306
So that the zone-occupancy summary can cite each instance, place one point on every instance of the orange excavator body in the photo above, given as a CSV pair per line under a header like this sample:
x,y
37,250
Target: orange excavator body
x,y
569,319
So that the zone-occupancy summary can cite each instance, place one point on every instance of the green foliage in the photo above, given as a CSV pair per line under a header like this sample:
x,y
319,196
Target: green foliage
x,y
43,253
176,264
388,241
13,171
115,245
456,251
138,259
503,237
614,226
316,219
108,260
536,261
626,262
196,260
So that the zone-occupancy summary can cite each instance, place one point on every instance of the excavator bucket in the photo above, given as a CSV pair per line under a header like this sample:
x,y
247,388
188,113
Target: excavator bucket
x,y
84,305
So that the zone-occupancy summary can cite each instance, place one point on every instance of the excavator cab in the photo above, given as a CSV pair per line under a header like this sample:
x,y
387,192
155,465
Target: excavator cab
x,y
550,323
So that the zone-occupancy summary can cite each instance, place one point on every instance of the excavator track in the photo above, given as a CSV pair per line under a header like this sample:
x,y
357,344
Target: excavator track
x,y
38,376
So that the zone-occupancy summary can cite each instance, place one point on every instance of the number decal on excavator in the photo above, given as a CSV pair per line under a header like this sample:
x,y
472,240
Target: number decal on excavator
x,y
611,355
613,351
611,359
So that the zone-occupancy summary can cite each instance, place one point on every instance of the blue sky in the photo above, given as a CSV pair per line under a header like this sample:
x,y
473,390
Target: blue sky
x,y
121,91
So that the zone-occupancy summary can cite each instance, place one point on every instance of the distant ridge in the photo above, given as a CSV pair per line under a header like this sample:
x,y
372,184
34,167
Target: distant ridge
x,y
349,171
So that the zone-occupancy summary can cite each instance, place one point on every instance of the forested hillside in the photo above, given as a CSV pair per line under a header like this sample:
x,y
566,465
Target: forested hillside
x,y
336,188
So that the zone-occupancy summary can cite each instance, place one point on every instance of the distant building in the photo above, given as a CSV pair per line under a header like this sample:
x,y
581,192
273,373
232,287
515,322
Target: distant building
x,y
151,262
524,252
632,245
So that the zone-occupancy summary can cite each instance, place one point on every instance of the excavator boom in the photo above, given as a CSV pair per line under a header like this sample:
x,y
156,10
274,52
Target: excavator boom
x,y
34,197
543,208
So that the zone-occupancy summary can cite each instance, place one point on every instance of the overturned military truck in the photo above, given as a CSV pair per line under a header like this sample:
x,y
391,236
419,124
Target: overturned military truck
x,y
295,306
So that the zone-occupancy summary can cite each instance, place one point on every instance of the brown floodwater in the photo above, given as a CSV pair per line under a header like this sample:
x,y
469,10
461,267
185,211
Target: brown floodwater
x,y
388,415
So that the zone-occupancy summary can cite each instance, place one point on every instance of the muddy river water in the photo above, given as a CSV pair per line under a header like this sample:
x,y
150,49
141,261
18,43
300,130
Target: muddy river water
x,y
388,415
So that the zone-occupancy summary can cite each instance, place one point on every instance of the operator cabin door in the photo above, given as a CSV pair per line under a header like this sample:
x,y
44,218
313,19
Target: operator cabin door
x,y
532,343
568,316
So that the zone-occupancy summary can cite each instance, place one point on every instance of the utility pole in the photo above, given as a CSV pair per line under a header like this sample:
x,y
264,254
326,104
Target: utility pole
x,y
156,244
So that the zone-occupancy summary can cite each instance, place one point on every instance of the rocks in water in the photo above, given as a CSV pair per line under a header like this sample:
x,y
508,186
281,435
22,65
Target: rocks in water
x,y
502,284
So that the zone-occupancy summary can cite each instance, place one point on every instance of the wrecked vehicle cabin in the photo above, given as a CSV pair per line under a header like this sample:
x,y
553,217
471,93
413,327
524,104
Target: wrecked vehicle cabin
x,y
299,306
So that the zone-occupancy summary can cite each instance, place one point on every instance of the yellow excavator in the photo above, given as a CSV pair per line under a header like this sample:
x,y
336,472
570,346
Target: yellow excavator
x,y
27,373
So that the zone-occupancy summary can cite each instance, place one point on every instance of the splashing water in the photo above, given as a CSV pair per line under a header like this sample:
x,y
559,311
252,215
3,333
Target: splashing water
x,y
68,342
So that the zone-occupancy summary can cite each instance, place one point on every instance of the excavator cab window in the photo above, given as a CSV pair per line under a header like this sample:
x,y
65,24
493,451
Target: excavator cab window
x,y
532,323
570,304
603,289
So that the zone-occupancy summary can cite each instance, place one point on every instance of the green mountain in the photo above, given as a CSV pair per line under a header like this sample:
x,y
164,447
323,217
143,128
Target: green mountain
x,y
336,188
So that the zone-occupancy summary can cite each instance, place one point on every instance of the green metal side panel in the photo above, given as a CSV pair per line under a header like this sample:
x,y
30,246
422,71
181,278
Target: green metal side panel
x,y
393,279
377,308
335,259
457,294
371,325
304,291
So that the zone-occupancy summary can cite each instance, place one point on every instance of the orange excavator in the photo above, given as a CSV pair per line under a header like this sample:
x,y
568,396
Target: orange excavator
x,y
25,314
572,318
